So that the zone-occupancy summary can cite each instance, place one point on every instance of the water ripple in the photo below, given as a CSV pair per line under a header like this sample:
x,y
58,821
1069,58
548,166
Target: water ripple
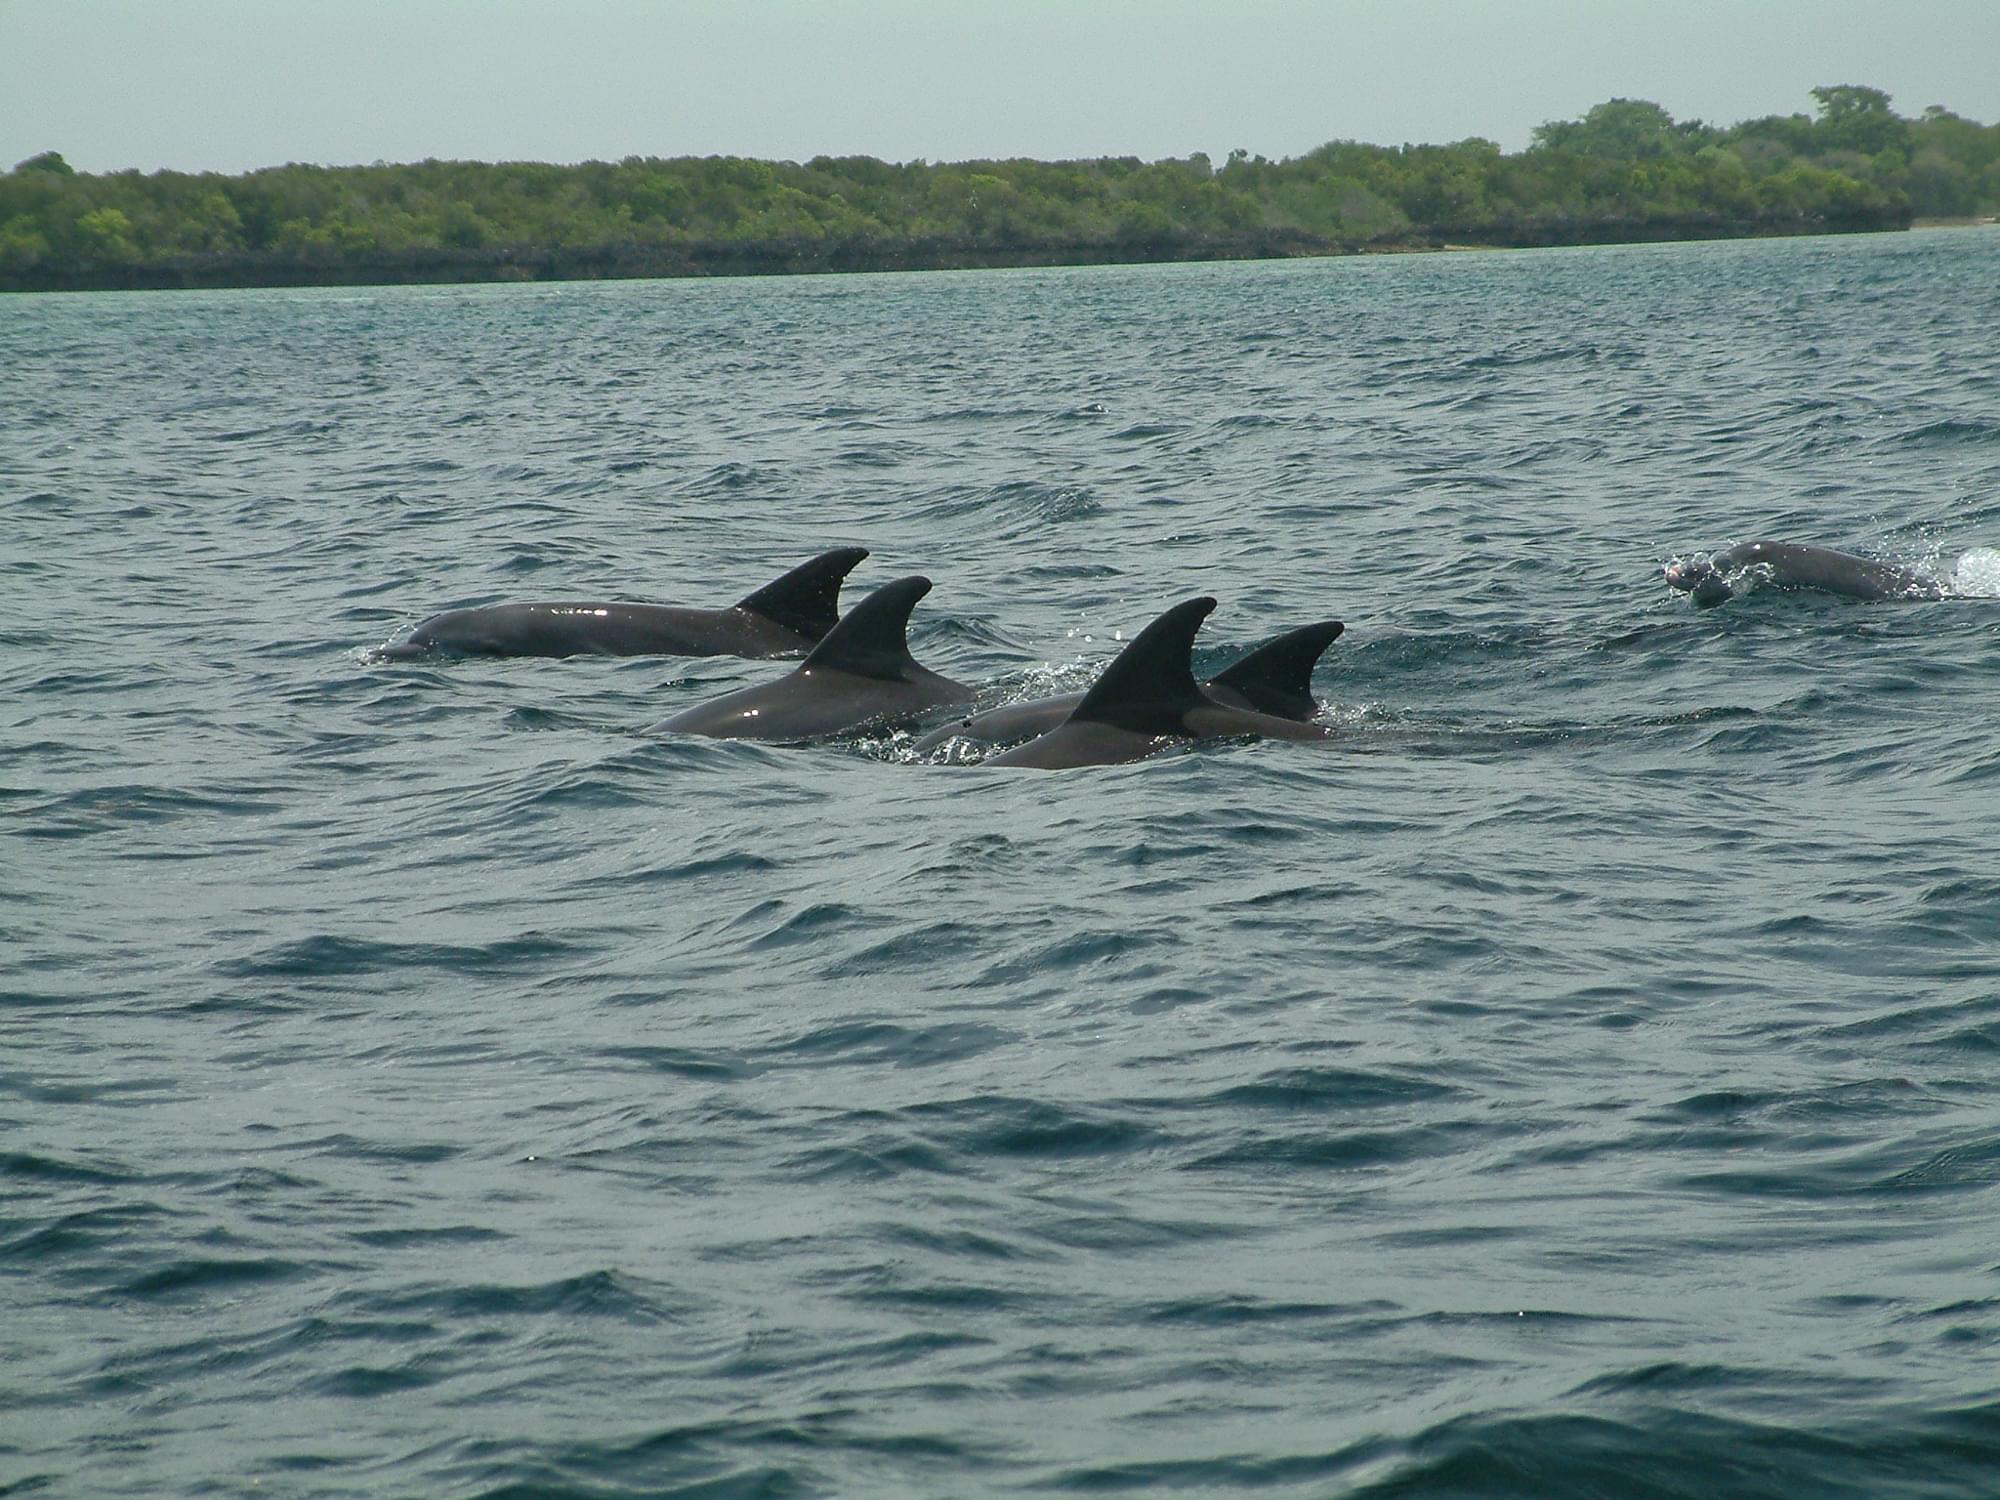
x,y
1572,1079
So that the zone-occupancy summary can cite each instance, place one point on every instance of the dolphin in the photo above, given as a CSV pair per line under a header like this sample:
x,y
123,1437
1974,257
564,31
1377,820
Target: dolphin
x,y
861,675
1276,678
1147,699
1793,566
786,617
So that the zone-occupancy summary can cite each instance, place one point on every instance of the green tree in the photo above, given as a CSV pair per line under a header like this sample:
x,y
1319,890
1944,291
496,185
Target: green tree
x,y
1618,130
210,223
1626,168
22,248
463,227
106,234
1858,119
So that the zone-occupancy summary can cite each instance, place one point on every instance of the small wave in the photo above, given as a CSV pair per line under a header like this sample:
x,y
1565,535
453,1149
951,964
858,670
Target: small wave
x,y
302,428
917,952
876,455
981,414
1071,571
1043,1130
329,956
703,869
65,1245
731,477
595,1294
1303,1151
1504,359
362,1382
24,1164
103,809
1948,434
1050,502
1316,1090
1680,1454
956,630
205,1274
807,926
885,1043
1018,503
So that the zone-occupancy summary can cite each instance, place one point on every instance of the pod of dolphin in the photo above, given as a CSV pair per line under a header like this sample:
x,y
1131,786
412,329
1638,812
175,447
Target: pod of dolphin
x,y
858,674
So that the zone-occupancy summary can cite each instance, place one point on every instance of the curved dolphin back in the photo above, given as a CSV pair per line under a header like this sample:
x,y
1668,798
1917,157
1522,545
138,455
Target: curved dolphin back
x,y
807,599
872,639
1276,678
1800,565
1150,685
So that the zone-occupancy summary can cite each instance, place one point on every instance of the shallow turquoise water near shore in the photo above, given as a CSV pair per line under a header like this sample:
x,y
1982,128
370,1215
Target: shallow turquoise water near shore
x,y
1579,1079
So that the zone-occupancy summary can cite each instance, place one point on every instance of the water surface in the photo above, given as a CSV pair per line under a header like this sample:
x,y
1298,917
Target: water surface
x,y
1577,1080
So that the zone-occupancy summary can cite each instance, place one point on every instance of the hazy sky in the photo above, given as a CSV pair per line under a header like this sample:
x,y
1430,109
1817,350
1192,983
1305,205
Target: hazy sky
x,y
228,85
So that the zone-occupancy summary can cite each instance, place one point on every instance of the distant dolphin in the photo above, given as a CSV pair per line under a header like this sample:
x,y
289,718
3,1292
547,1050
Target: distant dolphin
x,y
861,675
1794,565
786,617
1147,699
1276,679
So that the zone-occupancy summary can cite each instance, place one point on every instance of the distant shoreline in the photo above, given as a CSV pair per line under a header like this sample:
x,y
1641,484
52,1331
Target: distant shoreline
x,y
520,264
1627,172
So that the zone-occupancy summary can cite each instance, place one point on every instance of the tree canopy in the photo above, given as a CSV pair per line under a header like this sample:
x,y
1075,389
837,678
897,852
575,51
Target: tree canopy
x,y
1626,170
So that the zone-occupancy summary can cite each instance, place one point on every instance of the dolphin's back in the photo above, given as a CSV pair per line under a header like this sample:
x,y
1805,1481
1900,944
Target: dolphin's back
x,y
861,674
1276,678
786,617
1139,702
1003,725
807,599
1799,565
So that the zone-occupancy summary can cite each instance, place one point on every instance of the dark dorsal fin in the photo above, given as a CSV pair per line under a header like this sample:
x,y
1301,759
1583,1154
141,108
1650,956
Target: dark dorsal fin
x,y
1150,685
1276,678
807,599
871,639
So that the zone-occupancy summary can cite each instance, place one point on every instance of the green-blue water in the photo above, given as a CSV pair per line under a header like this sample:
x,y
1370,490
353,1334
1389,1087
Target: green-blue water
x,y
1578,1080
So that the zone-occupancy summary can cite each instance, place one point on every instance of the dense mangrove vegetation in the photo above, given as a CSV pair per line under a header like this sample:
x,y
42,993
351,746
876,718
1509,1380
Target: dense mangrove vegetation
x,y
1626,171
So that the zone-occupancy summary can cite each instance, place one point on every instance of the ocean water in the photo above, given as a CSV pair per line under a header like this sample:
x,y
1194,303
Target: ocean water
x,y
1580,1078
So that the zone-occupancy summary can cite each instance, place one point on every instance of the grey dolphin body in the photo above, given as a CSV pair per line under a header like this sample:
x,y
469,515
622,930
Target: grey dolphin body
x,y
1146,700
1796,565
786,617
861,675
1276,679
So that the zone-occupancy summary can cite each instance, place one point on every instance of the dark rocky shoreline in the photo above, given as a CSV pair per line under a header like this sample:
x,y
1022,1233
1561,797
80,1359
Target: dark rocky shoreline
x,y
803,257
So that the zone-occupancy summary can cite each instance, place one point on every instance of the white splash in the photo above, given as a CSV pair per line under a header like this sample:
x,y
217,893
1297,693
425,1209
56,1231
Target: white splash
x,y
1977,574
